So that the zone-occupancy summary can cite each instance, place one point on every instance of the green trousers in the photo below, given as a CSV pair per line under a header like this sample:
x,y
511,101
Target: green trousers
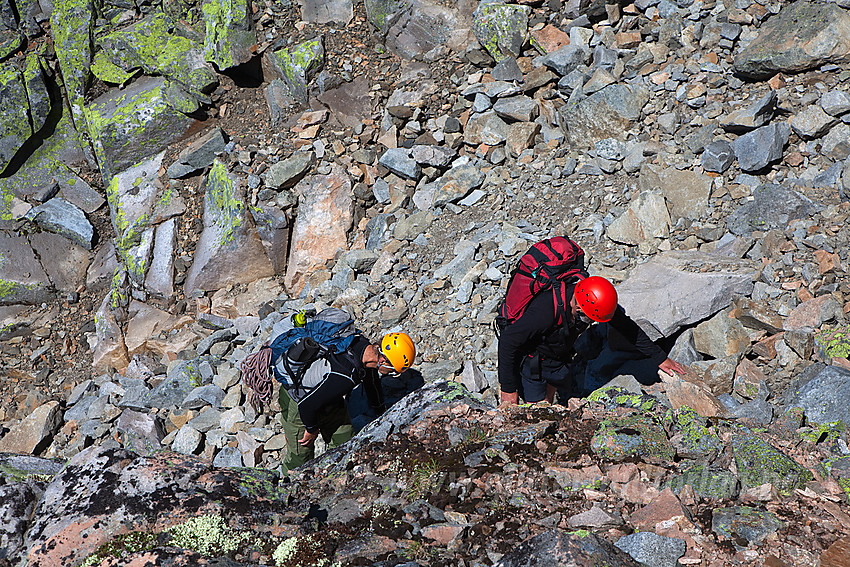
x,y
334,425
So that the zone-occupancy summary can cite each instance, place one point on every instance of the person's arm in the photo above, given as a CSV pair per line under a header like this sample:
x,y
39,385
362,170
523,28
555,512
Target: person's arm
x,y
374,391
519,338
631,331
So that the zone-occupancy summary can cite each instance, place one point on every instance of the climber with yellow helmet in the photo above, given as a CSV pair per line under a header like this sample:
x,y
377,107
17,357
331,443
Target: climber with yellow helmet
x,y
317,403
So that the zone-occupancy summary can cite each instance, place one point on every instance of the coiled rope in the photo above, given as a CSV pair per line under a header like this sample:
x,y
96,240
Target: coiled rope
x,y
256,373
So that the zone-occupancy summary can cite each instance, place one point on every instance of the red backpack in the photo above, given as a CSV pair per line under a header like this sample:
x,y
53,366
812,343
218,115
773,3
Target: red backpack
x,y
545,266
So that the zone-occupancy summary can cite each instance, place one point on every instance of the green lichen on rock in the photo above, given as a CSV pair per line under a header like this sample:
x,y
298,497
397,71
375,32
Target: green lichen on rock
x,y
229,32
133,123
380,13
298,64
706,482
636,434
615,396
501,28
6,199
826,434
72,24
107,71
834,343
222,202
208,535
759,462
177,98
262,484
15,127
152,46
694,433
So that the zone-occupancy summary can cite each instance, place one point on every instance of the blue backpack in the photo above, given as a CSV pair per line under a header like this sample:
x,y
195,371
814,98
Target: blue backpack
x,y
292,352
296,349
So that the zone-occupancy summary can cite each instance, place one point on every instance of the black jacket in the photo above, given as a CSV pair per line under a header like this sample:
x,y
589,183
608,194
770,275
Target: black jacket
x,y
535,333
329,380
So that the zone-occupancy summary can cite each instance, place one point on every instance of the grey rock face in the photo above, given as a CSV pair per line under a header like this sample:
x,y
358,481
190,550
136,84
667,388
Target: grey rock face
x,y
717,156
650,548
59,216
25,279
561,549
803,36
772,207
286,173
752,116
398,161
826,397
565,60
604,114
650,293
320,12
198,155
761,147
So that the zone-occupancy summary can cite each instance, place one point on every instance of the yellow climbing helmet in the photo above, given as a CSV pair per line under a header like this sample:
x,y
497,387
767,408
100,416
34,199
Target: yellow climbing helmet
x,y
399,350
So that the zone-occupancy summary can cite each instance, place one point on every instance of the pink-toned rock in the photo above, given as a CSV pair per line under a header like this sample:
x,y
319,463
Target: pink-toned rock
x,y
325,214
623,473
663,511
107,344
145,322
38,426
576,479
687,391
229,250
550,38
442,534
827,261
813,313
748,377
521,137
636,492
259,292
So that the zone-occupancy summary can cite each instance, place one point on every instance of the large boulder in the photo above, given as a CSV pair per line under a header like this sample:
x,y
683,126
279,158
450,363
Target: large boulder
x,y
150,46
127,126
24,105
679,288
773,206
297,65
72,26
230,38
53,162
607,113
229,250
64,261
22,278
686,191
803,36
826,397
325,215
414,27
103,494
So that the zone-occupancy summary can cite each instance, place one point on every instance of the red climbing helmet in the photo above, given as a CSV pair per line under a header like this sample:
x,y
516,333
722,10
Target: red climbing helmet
x,y
597,298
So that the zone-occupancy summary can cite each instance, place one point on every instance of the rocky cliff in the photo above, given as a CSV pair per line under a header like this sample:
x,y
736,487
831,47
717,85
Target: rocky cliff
x,y
178,177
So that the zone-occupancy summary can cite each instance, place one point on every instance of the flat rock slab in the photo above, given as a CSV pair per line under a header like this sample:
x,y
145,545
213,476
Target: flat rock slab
x,y
558,548
604,114
680,288
322,12
61,217
773,206
22,279
130,125
65,262
826,397
803,36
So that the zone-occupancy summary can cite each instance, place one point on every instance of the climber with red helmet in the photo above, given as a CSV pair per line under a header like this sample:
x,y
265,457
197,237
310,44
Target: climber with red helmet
x,y
536,347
